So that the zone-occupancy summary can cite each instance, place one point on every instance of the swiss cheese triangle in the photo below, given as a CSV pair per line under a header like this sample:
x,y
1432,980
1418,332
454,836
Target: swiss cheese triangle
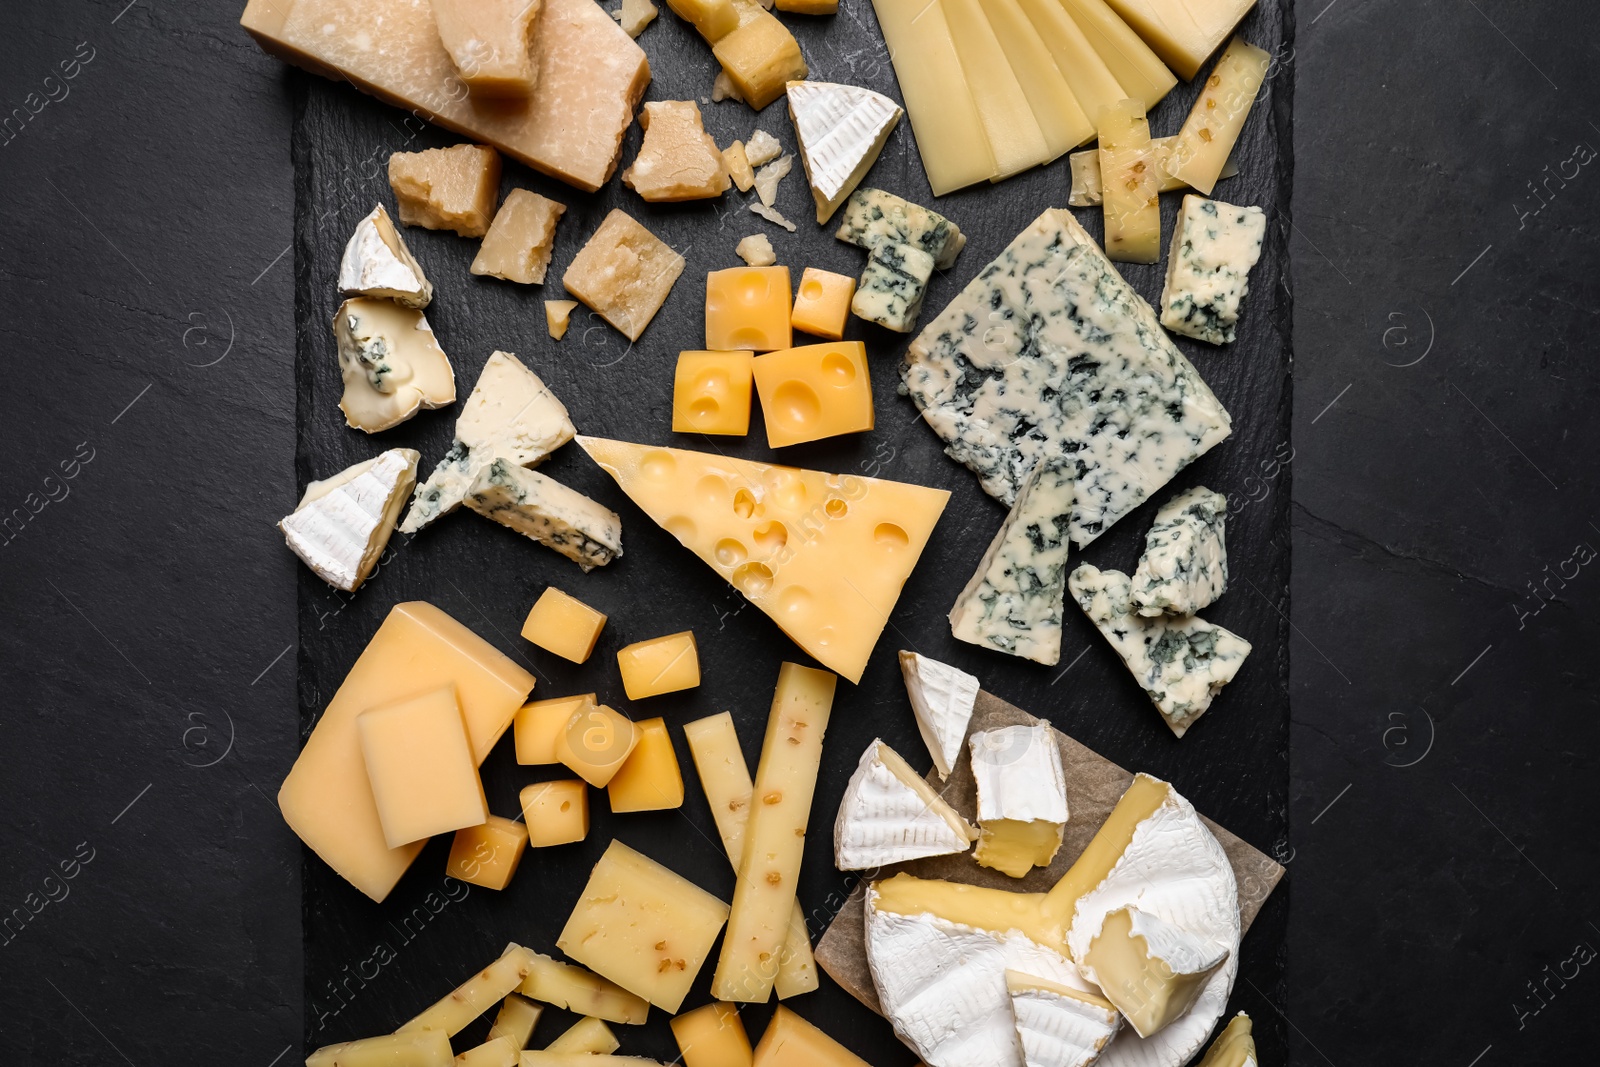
x,y
825,555
841,130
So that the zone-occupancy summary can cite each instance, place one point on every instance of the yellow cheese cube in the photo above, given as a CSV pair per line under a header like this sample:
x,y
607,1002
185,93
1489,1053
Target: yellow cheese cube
x,y
540,722
586,1035
713,19
651,779
712,1036
748,307
451,188
575,989
596,742
424,1048
420,766
791,1041
823,303
487,855
517,246
557,813
760,57
643,926
711,393
659,665
623,273
814,392
563,624
473,997
518,1016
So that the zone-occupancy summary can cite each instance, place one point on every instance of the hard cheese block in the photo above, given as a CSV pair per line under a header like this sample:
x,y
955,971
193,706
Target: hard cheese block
x,y
624,273
712,1036
420,766
824,555
490,42
325,798
591,75
815,391
792,1041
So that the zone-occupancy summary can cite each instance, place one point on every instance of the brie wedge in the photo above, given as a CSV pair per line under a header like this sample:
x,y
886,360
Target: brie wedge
x,y
341,525
941,698
841,130
511,415
890,814
391,363
1022,797
377,263
1057,1025
1151,970
1234,1047
1185,563
543,509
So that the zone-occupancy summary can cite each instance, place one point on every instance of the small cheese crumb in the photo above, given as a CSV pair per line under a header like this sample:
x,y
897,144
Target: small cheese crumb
x,y
635,15
557,315
724,89
757,251
768,177
761,148
733,158
772,215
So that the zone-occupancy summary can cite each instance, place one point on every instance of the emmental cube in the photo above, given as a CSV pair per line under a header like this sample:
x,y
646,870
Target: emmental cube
x,y
421,768
596,742
712,1036
643,926
711,393
540,722
451,188
660,665
651,779
748,308
564,625
557,813
624,274
822,304
488,855
814,392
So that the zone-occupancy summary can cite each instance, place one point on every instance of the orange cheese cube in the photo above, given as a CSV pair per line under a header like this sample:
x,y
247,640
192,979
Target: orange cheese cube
x,y
711,393
420,766
712,1036
792,1041
557,813
596,742
814,392
540,722
651,779
660,665
563,624
487,855
748,307
823,303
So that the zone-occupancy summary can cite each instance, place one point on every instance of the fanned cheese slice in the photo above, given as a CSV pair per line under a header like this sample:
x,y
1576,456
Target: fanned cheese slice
x,y
841,130
1234,1047
941,698
1059,1026
889,814
1151,970
341,525
376,262
824,555
1022,797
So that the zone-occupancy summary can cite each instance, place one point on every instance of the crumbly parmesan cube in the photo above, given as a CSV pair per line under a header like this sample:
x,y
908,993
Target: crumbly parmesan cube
x,y
558,316
517,246
624,273
491,44
678,159
760,56
756,250
451,188
635,15
762,148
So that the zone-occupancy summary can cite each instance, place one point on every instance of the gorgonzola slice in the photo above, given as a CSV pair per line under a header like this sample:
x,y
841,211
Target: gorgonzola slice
x,y
891,288
1213,248
542,508
872,217
1185,563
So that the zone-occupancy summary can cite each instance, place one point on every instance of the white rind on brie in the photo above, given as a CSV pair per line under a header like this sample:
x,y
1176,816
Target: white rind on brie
x,y
1058,1026
1018,773
942,697
342,524
889,815
377,263
841,130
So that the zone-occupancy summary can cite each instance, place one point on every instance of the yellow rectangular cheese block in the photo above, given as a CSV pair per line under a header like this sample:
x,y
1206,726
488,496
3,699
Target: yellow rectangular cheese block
x,y
1184,33
1061,119
557,813
487,855
774,839
540,722
596,742
566,986
711,393
1091,81
491,44
747,308
660,665
651,779
586,1035
643,926
1008,123
814,391
623,273
1202,147
792,1041
760,56
495,1053
420,767
591,75
1137,69
477,994
822,303
424,1048
1130,189
516,1020
712,1036
561,623
452,188
326,799
518,244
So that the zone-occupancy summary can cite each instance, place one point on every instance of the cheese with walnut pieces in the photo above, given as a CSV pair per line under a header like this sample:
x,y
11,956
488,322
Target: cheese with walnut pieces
x,y
1185,563
1213,248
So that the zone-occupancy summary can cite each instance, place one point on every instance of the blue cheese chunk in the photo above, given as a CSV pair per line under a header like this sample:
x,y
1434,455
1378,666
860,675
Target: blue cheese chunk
x,y
1213,248
542,508
872,217
1048,351
1014,601
1180,663
891,288
1185,563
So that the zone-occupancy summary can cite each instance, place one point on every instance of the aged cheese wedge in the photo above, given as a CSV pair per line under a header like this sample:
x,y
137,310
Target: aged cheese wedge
x,y
424,1048
546,511
1234,1047
941,697
515,1022
650,779
391,363
824,555
563,985
678,159
451,188
759,55
1086,186
1059,1026
1151,970
1202,147
792,1041
591,75
1137,69
1128,174
1092,83
1184,33
376,262
1060,117
889,815
491,43
420,766
1181,663
624,273
1022,797
841,130
1208,269
477,994
814,391
518,245
1185,563
342,524
586,1035
487,855
1008,123
712,1036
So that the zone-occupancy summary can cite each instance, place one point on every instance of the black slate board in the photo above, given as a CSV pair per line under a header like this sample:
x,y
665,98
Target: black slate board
x,y
368,966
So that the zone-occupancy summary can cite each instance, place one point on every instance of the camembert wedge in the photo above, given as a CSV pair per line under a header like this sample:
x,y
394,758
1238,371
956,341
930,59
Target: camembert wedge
x,y
841,130
342,524
1022,797
377,263
1059,1026
889,815
941,698
1151,970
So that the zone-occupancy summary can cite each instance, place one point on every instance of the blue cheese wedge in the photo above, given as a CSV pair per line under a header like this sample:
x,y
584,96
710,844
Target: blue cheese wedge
x,y
1180,663
1213,248
873,217
377,263
342,524
391,363
1185,563
543,509
511,415
1049,352
1013,602
891,288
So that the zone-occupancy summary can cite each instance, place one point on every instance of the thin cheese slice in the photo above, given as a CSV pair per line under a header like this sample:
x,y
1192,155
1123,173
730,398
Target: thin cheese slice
x,y
1201,148
1137,69
1086,185
477,994
1055,108
1092,83
566,986
1184,33
1128,171
1008,121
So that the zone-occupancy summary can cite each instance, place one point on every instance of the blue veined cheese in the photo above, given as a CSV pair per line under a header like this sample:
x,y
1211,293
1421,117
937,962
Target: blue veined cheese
x,y
1180,663
542,508
892,285
1014,601
872,217
1048,351
1213,248
391,363
1185,563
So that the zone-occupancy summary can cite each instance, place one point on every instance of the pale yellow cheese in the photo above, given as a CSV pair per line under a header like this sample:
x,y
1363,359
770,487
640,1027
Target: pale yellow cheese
x,y
582,1059
824,555
477,994
712,1036
711,392
774,839
557,316
487,855
635,15
981,907
712,19
678,159
426,1048
563,624
660,665
326,799
1234,1047
516,1020
596,742
1142,797
586,1035
591,75
518,244
1212,129
822,303
738,164
1137,69
760,55
951,140
1148,992
420,767
1091,81
643,926
390,362
566,986
623,273
1086,184
556,813
1055,108
1130,197
1184,33
808,7
1016,846
492,1053
814,391
451,188
748,308
791,1041
491,43
651,779
1008,123
538,723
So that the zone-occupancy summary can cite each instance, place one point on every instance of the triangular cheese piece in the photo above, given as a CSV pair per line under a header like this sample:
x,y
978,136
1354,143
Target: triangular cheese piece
x,y
825,555
377,263
1234,1047
1057,1025
1152,970
941,698
341,525
841,130
889,814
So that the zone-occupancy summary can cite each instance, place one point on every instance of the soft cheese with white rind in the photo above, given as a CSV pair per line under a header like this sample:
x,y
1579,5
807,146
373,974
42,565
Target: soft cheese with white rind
x,y
376,262
1150,969
511,415
1180,662
391,364
941,697
341,525
841,130
1185,563
1208,269
890,815
543,509
1022,797
1049,351
1059,1026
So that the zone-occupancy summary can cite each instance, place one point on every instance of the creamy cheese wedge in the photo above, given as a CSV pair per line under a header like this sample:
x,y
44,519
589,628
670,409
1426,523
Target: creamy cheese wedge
x,y
1022,797
889,814
1234,1047
376,262
1151,970
391,363
1185,563
841,130
1059,1026
941,697
548,512
342,524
